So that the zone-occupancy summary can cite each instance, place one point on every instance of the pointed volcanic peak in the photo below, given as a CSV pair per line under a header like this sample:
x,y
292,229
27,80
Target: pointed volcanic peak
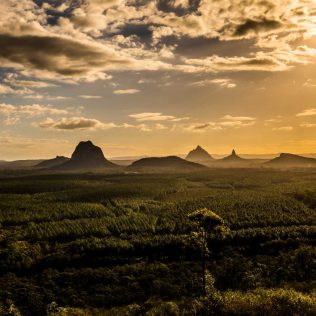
x,y
51,163
87,156
233,157
172,164
199,155
286,160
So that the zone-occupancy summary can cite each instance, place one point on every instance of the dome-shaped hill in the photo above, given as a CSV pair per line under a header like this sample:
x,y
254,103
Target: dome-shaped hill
x,y
165,164
291,160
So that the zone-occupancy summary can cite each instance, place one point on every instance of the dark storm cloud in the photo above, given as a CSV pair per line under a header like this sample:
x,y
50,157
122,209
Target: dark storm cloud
x,y
142,31
81,39
256,26
58,55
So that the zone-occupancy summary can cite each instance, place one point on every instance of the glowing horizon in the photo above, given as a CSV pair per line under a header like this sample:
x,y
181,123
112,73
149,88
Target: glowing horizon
x,y
157,78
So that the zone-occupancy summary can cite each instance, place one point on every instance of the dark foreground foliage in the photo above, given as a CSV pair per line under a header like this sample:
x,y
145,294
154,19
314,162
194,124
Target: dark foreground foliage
x,y
95,244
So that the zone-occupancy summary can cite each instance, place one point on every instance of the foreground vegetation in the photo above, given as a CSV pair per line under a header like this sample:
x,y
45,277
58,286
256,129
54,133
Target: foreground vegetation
x,y
95,244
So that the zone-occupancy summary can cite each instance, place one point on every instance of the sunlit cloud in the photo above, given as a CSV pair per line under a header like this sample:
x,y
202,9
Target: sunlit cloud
x,y
156,116
45,97
4,89
308,112
126,91
309,83
238,118
221,82
283,128
13,80
308,125
89,97
226,122
32,110
75,123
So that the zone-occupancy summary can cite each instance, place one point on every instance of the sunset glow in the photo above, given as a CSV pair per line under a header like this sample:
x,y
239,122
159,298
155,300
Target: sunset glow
x,y
157,77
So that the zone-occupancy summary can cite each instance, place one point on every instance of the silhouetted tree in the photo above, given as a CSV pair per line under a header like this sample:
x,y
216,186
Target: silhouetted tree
x,y
206,223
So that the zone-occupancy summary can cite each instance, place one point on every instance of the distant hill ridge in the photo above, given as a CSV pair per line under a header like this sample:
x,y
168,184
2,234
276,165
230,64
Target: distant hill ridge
x,y
170,163
87,156
291,160
51,163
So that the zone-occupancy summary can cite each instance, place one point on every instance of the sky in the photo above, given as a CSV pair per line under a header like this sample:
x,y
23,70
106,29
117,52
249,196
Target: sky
x,y
157,77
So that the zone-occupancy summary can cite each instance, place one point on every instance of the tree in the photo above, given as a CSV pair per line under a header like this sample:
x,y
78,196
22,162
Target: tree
x,y
206,223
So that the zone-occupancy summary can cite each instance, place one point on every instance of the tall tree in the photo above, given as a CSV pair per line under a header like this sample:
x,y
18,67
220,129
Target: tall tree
x,y
206,223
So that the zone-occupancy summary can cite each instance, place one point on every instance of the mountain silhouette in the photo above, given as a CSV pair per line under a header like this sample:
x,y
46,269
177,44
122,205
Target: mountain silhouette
x,y
87,156
291,160
170,164
233,158
199,155
51,163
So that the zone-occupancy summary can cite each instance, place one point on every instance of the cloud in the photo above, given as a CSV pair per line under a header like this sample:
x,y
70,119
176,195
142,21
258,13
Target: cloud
x,y
32,110
58,57
46,97
308,125
155,116
226,122
90,97
309,83
83,123
259,62
159,126
222,82
283,128
143,128
236,123
254,27
4,89
13,80
75,123
99,36
308,112
238,118
277,119
9,121
126,91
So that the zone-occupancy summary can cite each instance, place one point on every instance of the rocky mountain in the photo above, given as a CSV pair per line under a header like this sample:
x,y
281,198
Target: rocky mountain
x,y
286,160
51,163
165,164
199,155
86,156
233,157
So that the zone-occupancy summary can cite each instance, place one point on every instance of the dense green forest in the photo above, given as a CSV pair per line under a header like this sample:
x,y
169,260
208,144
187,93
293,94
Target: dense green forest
x,y
125,244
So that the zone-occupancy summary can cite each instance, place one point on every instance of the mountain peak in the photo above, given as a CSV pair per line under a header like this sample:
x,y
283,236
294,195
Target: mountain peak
x,y
199,155
233,158
87,155
86,149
